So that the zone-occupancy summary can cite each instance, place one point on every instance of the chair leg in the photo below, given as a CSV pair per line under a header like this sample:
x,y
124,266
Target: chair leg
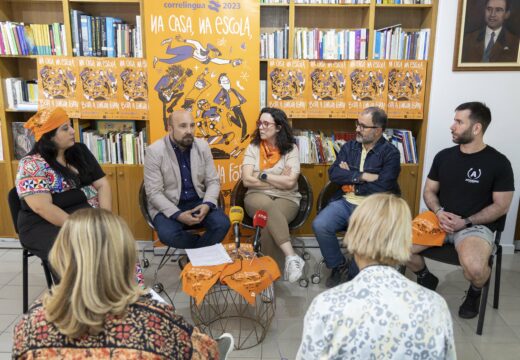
x,y
498,270
48,274
163,261
25,280
482,310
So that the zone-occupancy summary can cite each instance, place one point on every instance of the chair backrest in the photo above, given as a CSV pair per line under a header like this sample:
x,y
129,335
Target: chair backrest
x,y
14,206
143,205
326,195
239,192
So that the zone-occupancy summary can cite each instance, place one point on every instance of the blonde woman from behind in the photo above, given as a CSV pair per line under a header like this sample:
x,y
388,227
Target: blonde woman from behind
x,y
97,310
380,313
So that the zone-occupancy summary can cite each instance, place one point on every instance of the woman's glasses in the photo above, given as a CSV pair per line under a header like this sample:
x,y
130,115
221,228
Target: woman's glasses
x,y
263,123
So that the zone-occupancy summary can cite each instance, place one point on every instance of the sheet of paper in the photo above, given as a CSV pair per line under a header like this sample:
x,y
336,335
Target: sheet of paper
x,y
209,255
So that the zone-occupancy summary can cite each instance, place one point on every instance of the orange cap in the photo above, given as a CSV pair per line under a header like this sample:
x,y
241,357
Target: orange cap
x,y
46,120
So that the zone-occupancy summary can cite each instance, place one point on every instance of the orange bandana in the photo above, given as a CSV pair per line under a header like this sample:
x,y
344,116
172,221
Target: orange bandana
x,y
46,120
269,156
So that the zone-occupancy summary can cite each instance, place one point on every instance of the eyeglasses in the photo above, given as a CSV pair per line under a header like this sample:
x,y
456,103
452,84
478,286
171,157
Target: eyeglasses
x,y
264,123
363,126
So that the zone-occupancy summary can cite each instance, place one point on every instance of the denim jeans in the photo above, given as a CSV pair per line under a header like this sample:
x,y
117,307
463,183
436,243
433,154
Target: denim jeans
x,y
333,218
174,233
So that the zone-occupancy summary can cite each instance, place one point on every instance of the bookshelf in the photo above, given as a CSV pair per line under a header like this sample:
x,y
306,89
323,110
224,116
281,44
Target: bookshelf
x,y
372,16
125,180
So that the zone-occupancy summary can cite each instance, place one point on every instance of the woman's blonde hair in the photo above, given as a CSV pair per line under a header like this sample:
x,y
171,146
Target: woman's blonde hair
x,y
380,229
94,256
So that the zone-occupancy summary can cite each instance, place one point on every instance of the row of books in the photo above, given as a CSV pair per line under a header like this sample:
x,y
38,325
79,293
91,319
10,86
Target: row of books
x,y
275,45
20,94
32,39
116,147
317,148
404,2
332,2
396,44
404,141
331,44
105,36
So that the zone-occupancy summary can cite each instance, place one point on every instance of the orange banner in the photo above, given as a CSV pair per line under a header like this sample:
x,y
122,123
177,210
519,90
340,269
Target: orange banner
x,y
406,82
328,82
203,57
287,88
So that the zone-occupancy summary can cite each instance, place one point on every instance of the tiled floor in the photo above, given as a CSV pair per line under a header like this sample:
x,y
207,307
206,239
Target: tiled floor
x,y
501,339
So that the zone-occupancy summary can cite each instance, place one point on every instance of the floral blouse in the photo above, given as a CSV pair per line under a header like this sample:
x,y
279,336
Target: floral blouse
x,y
380,314
35,176
149,330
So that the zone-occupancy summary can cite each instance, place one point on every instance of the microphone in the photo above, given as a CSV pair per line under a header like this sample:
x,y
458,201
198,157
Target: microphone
x,y
236,215
259,222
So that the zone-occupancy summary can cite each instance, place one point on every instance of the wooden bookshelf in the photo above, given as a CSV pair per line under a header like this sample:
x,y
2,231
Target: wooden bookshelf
x,y
354,16
125,180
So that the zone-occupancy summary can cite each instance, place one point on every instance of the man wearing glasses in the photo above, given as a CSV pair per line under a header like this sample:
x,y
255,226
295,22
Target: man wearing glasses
x,y
364,166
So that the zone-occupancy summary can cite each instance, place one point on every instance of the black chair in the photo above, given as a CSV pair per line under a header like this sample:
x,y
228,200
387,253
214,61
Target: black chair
x,y
143,205
14,206
326,195
448,255
237,199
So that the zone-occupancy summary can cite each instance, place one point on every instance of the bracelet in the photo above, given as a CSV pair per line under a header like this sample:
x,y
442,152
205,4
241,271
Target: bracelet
x,y
439,210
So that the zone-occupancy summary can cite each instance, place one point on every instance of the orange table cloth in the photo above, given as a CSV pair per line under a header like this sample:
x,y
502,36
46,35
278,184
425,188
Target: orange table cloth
x,y
248,275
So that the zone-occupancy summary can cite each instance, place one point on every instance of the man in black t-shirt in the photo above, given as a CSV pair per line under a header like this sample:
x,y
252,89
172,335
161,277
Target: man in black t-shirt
x,y
470,187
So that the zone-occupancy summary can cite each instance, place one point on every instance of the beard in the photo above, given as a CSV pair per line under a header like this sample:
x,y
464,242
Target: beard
x,y
186,141
465,138
364,139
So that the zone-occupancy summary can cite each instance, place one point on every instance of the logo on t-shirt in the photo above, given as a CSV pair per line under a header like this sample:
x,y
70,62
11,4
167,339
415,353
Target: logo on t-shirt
x,y
473,176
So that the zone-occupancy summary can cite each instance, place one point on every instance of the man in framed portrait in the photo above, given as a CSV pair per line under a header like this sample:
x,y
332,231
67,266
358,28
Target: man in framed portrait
x,y
494,42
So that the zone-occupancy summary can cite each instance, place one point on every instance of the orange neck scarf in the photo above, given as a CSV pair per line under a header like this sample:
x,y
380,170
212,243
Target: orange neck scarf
x,y
269,155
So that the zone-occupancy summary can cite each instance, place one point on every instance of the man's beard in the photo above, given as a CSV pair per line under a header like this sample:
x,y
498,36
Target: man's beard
x,y
185,141
465,138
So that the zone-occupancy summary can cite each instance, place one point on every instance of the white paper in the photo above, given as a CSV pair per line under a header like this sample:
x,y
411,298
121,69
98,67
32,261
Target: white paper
x,y
157,297
208,256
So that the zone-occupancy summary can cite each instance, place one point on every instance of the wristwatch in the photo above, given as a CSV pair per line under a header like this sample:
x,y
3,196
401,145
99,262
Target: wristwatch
x,y
262,176
468,222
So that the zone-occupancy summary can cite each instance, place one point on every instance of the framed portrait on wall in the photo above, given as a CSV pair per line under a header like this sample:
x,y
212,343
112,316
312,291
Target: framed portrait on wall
x,y
488,35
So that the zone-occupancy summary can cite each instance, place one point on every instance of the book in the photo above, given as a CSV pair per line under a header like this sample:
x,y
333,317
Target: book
x,y
103,127
23,140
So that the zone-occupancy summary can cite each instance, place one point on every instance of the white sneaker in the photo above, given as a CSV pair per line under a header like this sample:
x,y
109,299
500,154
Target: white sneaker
x,y
293,268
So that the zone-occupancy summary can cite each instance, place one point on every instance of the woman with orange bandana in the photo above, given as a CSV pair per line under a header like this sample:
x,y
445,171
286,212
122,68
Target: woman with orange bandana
x,y
57,177
270,171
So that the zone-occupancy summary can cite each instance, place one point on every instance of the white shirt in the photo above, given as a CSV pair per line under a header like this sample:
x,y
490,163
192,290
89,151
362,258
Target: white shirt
x,y
488,35
380,314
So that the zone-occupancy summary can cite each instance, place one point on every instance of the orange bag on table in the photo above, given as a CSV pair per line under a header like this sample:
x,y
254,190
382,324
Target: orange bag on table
x,y
426,230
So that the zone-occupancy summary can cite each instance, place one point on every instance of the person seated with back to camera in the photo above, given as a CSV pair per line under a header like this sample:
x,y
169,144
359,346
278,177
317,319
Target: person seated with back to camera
x,y
57,177
270,171
98,310
380,314
182,187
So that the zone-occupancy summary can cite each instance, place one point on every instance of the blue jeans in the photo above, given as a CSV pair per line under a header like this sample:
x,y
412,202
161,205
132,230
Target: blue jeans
x,y
332,219
174,233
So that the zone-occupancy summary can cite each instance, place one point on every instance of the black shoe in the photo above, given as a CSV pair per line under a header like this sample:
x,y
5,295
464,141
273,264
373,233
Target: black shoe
x,y
470,307
183,261
338,275
429,281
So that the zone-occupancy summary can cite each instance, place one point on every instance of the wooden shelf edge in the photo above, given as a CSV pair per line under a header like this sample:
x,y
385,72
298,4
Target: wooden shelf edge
x,y
404,6
333,5
106,1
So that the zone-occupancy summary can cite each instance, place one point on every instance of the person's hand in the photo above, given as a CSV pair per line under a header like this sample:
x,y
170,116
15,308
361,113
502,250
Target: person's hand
x,y
450,222
369,177
344,165
286,171
187,218
200,212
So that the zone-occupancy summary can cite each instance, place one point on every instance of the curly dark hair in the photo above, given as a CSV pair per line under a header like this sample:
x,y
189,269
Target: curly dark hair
x,y
284,138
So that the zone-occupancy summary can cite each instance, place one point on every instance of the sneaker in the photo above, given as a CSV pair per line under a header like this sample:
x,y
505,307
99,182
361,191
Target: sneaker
x,y
225,345
338,275
429,281
470,307
293,268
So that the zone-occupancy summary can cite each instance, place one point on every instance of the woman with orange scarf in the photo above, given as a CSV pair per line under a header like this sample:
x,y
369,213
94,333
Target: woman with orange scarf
x,y
270,172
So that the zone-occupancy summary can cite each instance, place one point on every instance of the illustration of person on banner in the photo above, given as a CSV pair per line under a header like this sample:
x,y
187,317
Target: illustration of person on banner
x,y
170,89
200,85
58,83
232,100
194,49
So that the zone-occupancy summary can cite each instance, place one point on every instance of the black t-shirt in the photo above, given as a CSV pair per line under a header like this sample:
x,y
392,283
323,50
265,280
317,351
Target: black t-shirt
x,y
467,181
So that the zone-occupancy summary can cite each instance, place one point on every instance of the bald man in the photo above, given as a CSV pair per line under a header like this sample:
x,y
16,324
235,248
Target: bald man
x,y
182,187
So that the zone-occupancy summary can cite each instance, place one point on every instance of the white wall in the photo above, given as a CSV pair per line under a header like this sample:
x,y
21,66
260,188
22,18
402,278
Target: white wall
x,y
498,89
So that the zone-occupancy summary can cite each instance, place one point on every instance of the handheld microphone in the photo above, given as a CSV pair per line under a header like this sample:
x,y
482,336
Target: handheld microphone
x,y
259,222
236,215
